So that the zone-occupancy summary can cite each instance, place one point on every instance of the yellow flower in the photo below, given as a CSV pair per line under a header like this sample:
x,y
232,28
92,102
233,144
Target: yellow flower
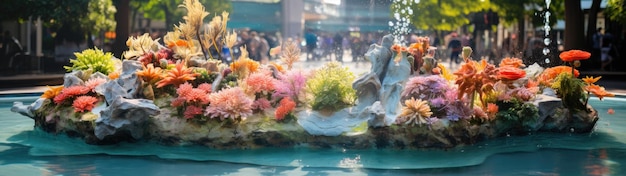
x,y
591,80
52,92
415,112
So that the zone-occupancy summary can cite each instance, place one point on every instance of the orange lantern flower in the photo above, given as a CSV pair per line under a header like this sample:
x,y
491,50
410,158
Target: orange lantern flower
x,y
574,55
511,73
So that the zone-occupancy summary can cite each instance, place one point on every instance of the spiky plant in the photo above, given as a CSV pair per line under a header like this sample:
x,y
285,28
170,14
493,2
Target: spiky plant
x,y
93,59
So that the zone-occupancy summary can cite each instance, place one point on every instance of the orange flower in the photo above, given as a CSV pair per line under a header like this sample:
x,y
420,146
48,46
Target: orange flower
x,y
591,80
114,75
512,62
510,73
492,108
548,75
610,111
150,74
52,92
177,76
243,67
84,103
574,55
398,48
177,43
598,91
286,105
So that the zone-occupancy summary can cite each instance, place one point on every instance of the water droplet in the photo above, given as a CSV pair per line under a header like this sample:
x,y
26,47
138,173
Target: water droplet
x,y
508,135
571,130
396,16
539,146
410,11
546,51
462,151
547,60
547,41
402,11
390,23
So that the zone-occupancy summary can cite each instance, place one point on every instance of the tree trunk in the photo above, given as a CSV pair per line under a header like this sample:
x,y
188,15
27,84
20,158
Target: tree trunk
x,y
591,22
574,34
169,24
122,28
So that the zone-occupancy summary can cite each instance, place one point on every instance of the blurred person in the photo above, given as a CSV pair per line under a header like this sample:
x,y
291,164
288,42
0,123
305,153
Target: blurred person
x,y
606,45
11,47
597,45
455,47
338,46
311,43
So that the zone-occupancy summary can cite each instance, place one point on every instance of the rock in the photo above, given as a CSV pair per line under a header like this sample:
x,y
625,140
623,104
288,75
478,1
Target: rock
x,y
129,79
380,56
125,115
378,115
335,124
99,75
367,90
110,90
392,88
28,110
547,106
73,79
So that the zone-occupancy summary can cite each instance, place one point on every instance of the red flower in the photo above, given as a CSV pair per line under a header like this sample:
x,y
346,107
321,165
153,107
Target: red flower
x,y
574,55
70,92
84,103
192,111
286,105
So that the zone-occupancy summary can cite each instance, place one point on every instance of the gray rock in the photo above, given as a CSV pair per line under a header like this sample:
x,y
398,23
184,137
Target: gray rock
x,y
393,84
378,115
129,79
122,115
110,90
547,106
99,75
28,110
380,56
73,79
334,124
367,87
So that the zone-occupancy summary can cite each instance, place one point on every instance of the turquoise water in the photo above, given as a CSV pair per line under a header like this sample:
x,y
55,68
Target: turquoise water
x,y
28,151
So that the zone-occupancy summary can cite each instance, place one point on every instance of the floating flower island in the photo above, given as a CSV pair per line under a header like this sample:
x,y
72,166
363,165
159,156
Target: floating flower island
x,y
179,93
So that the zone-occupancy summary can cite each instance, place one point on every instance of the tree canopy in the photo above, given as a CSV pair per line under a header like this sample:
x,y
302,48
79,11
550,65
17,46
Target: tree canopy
x,y
170,12
442,14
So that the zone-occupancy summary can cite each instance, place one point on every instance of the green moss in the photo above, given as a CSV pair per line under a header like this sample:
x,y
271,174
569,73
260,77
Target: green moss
x,y
331,87
517,114
94,60
570,89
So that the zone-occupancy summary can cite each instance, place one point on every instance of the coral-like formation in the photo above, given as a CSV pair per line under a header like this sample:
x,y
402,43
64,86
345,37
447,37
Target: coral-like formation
x,y
175,93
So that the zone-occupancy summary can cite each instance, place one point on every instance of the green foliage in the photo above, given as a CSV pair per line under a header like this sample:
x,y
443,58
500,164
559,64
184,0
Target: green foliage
x,y
616,10
94,60
170,11
517,113
100,16
570,90
442,14
331,87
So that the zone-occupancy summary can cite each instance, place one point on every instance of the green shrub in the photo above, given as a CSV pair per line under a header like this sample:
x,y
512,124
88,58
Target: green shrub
x,y
331,87
92,59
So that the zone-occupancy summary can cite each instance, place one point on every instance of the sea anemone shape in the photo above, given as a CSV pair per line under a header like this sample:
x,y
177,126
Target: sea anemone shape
x,y
179,75
229,103
414,112
84,103
150,74
70,92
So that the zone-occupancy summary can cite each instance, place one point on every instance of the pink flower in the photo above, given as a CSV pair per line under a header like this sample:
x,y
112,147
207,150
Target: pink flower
x,y
178,102
184,90
84,103
260,82
192,111
94,82
229,103
70,92
206,87
286,106
261,104
290,85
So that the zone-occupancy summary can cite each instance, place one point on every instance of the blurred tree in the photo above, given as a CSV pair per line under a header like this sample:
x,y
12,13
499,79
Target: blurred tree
x,y
169,10
574,27
442,15
99,18
616,10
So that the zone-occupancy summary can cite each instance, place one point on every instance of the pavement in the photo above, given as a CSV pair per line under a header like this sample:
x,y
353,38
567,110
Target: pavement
x,y
614,82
